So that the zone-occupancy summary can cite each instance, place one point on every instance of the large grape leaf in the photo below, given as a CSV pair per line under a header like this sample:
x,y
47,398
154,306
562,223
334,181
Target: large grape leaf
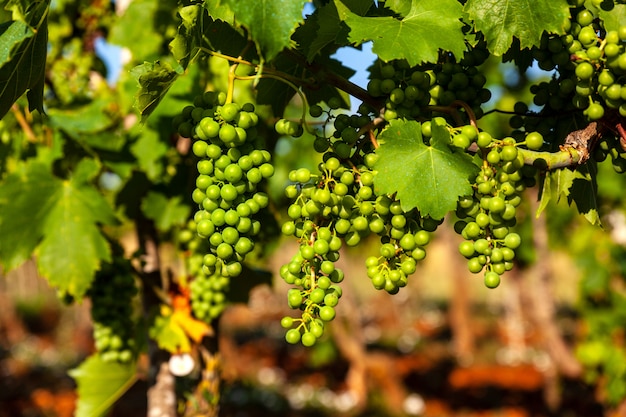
x,y
57,220
26,197
270,23
429,26
429,177
502,20
100,384
73,245
23,44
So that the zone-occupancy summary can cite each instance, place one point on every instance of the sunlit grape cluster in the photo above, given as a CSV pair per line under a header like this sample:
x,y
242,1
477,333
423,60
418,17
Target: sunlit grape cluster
x,y
231,168
487,217
591,63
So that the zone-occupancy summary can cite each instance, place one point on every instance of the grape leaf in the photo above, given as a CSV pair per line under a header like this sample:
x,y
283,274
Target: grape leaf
x,y
164,210
56,219
429,26
429,177
23,50
220,11
84,120
269,22
26,197
584,191
154,79
500,21
402,7
149,149
100,384
330,28
198,30
278,94
613,19
73,245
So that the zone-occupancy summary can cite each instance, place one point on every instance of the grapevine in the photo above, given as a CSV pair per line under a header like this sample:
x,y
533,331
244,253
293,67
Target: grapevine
x,y
440,136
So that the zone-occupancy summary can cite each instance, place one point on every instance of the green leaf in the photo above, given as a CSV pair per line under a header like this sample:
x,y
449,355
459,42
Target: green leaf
x,y
429,26
584,192
198,29
220,11
26,198
500,21
278,94
402,7
136,29
545,192
431,178
149,150
100,384
270,23
58,220
23,44
165,211
613,19
73,245
84,120
154,79
330,28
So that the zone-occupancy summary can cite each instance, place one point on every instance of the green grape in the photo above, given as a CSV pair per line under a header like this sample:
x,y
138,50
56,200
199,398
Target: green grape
x,y
492,279
111,295
292,336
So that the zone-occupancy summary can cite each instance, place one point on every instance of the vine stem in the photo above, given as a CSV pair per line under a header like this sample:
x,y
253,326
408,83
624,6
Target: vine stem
x,y
452,110
21,120
289,83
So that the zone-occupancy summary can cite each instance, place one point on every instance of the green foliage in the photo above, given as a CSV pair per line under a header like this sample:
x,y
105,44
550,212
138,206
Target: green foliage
x,y
23,54
154,79
430,177
270,23
435,23
188,167
59,221
100,384
502,21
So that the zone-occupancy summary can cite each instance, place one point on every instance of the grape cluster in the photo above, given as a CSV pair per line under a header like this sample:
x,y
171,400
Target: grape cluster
x,y
231,168
112,294
409,90
486,217
338,205
591,63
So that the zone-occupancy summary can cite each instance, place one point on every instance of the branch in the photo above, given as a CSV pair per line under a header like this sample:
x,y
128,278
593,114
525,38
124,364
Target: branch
x,y
322,76
576,150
